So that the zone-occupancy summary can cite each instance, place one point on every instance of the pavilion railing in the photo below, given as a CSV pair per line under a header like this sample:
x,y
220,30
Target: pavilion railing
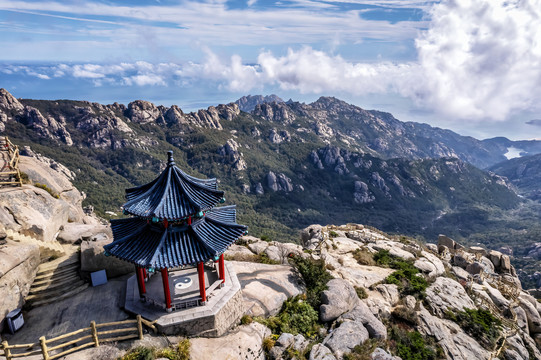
x,y
87,337
9,172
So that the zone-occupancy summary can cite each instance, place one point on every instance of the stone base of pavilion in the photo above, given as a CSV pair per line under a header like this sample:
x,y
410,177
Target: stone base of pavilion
x,y
223,309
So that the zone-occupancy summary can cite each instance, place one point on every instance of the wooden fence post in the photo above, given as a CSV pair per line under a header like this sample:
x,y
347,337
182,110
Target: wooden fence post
x,y
94,333
44,351
6,350
140,327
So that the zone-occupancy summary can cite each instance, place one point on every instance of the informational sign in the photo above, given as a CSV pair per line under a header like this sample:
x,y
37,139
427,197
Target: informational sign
x,y
98,278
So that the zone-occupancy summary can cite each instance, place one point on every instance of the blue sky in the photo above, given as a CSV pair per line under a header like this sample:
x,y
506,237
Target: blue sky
x,y
473,66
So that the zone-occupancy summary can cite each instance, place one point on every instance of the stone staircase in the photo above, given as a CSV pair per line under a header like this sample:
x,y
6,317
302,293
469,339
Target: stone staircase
x,y
46,249
56,280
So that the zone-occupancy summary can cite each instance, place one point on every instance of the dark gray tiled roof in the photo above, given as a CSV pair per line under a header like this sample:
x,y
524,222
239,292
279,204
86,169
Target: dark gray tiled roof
x,y
151,245
172,195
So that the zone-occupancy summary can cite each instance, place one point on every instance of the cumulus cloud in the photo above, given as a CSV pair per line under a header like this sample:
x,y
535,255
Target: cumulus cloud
x,y
477,60
481,58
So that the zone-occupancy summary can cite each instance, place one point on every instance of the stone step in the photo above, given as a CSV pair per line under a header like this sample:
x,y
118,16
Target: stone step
x,y
58,272
52,283
54,247
57,263
54,293
44,300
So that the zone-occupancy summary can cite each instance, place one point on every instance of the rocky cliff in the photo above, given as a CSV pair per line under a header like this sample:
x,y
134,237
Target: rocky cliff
x,y
40,210
456,302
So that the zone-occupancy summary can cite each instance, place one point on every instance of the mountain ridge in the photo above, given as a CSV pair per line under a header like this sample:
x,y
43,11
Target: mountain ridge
x,y
287,165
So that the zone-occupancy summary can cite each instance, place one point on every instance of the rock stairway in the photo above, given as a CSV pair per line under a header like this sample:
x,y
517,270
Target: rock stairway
x,y
56,280
46,249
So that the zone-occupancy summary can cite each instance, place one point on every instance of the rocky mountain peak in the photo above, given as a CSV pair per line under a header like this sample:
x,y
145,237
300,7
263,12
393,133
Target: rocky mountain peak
x,y
329,102
142,112
9,102
278,112
248,103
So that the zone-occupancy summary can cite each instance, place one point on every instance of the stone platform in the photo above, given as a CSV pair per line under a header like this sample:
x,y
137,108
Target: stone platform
x,y
223,309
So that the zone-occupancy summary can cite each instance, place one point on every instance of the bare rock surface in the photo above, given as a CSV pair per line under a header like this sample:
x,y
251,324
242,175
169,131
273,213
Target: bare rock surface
x,y
239,253
343,339
356,274
266,287
321,352
33,211
447,294
74,233
361,313
533,316
380,354
340,297
430,264
455,342
18,267
245,342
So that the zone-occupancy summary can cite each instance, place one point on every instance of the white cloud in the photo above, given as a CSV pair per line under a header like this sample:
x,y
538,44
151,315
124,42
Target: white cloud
x,y
481,58
477,60
143,80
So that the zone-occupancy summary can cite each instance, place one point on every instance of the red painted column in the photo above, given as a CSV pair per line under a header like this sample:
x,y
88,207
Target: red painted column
x,y
144,273
201,273
166,292
140,281
222,269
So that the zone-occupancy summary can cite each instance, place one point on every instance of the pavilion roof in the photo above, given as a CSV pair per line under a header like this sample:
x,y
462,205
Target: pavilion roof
x,y
173,195
151,245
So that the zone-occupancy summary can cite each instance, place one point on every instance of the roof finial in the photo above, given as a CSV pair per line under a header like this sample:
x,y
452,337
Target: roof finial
x,y
170,160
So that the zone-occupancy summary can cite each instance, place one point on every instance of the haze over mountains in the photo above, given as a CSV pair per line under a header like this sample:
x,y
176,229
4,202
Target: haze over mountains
x,y
289,164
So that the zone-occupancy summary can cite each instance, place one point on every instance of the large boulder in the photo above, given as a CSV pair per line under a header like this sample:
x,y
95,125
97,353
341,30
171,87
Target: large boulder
x,y
311,234
340,297
245,342
18,267
321,352
265,287
361,313
430,264
380,354
33,211
74,233
286,342
93,258
343,339
239,253
56,177
447,294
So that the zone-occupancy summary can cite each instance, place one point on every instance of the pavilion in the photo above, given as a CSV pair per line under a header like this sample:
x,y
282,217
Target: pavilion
x,y
174,225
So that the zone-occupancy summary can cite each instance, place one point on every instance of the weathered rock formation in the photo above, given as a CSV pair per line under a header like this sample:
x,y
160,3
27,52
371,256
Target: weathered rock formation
x,y
18,267
232,155
279,182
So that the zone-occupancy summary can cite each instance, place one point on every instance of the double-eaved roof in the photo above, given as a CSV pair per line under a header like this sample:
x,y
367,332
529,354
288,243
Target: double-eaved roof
x,y
174,195
160,236
147,244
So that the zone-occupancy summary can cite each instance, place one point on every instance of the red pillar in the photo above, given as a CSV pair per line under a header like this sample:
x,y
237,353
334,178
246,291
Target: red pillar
x,y
201,273
222,269
144,273
140,281
166,292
